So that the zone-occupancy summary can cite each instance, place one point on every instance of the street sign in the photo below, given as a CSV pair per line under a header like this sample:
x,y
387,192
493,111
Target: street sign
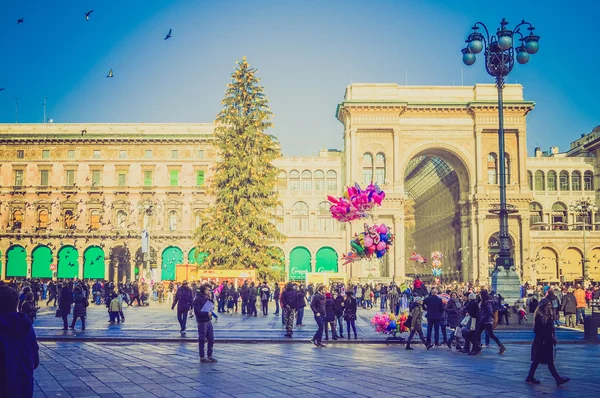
x,y
52,267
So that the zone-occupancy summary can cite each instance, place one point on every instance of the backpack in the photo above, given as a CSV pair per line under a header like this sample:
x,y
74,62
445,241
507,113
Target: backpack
x,y
264,295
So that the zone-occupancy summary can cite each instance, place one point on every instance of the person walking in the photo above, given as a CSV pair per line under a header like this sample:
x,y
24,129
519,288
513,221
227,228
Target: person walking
x,y
486,320
317,305
64,305
350,308
544,343
79,308
288,305
472,343
276,296
415,323
183,300
435,307
265,295
453,309
383,292
28,308
52,293
203,306
330,317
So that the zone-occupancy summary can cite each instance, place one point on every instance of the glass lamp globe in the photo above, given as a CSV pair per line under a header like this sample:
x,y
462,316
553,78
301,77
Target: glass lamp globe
x,y
522,56
468,57
475,46
505,42
532,44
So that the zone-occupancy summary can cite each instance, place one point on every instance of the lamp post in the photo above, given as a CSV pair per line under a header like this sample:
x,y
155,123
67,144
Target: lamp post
x,y
499,53
584,208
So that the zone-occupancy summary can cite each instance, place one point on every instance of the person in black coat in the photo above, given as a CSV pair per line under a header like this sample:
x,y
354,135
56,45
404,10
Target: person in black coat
x,y
79,309
435,307
64,305
19,351
338,311
542,349
252,297
244,292
300,304
453,309
350,307
183,299
470,330
330,317
317,305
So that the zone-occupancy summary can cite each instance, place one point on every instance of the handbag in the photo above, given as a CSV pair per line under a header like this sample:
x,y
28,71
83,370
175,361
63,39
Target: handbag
x,y
408,322
58,313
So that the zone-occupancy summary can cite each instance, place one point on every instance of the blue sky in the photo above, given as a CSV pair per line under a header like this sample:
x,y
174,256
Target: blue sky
x,y
306,52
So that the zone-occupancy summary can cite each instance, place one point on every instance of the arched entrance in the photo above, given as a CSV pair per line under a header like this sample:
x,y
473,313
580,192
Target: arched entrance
x,y
41,259
145,269
93,263
299,263
68,263
16,262
326,260
594,264
120,264
436,181
571,265
171,256
546,265
196,259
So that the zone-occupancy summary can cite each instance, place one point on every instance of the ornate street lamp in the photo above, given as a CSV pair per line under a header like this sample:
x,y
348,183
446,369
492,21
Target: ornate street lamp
x,y
584,208
499,53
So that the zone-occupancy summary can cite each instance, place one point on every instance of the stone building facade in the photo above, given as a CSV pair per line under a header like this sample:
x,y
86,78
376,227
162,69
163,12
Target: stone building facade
x,y
76,197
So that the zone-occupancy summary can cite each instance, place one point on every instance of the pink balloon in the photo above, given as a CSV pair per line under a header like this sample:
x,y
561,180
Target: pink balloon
x,y
381,246
382,229
368,241
371,249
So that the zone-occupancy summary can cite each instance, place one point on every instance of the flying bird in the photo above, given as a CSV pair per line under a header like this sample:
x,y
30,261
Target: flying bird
x,y
19,21
168,36
110,74
87,15
2,89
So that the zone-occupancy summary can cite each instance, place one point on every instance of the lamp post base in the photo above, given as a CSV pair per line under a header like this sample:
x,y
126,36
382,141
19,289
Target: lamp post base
x,y
506,282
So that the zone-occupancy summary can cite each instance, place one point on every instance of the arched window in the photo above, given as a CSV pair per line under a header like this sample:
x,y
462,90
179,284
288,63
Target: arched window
x,y
306,184
121,219
552,181
492,168
539,181
17,220
380,168
563,180
294,182
536,215
331,180
282,180
588,181
300,216
173,220
319,180
367,168
530,180
576,181
559,216
197,219
324,220
95,220
507,167
43,219
279,214
69,219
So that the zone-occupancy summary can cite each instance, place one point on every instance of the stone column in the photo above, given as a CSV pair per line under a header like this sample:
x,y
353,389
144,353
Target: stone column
x,y
399,248
81,265
2,266
353,162
396,160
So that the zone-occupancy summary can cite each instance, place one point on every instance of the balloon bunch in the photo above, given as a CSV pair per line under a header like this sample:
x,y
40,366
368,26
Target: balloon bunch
x,y
418,258
436,263
356,202
384,323
375,240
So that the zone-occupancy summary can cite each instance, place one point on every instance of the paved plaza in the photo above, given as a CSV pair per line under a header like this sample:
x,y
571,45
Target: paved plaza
x,y
87,369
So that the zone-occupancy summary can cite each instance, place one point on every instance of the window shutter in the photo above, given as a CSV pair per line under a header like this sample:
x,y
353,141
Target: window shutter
x,y
200,178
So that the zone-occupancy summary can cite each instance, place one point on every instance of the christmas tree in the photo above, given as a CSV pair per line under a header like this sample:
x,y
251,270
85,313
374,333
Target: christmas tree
x,y
238,230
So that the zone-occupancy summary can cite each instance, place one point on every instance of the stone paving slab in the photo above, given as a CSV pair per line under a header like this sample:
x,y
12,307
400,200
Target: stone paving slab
x,y
173,370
